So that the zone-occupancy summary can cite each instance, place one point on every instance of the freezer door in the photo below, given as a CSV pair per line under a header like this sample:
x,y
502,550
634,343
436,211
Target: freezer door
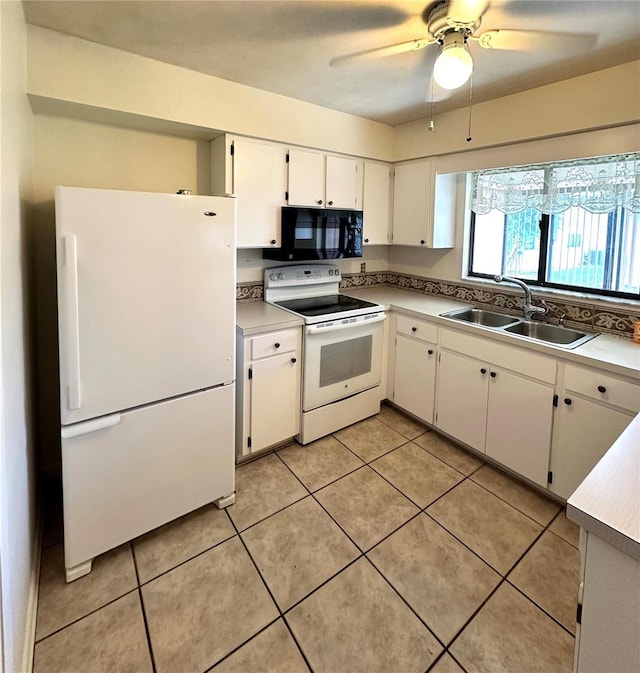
x,y
146,297
144,468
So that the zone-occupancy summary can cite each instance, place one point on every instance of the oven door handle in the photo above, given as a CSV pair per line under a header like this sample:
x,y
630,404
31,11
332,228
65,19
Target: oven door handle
x,y
318,329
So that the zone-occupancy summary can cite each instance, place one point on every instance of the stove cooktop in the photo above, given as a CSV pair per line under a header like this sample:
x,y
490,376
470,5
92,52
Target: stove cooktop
x,y
325,305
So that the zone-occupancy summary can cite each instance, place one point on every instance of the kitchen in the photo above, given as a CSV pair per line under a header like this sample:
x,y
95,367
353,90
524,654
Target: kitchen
x,y
79,136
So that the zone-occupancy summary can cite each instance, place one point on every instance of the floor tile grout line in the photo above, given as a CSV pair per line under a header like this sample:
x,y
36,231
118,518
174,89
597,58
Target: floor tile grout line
x,y
540,607
88,614
144,612
514,506
281,614
404,600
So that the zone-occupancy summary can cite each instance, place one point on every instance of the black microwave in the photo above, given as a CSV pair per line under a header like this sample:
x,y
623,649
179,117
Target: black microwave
x,y
318,233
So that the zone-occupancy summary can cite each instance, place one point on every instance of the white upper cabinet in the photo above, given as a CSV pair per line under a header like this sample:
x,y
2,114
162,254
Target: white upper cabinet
x,y
255,172
323,181
423,205
376,203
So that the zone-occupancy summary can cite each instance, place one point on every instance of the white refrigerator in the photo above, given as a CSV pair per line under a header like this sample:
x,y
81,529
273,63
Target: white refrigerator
x,y
146,324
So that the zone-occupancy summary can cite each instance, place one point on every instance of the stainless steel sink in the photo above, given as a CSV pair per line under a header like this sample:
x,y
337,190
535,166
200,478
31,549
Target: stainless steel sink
x,y
559,336
479,316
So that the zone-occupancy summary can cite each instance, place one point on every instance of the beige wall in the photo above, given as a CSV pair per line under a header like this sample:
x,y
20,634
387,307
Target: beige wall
x,y
112,80
18,540
602,99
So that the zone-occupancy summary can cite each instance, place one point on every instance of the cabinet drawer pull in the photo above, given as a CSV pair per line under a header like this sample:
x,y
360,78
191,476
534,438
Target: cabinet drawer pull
x,y
294,360
483,370
567,401
277,345
602,389
493,375
430,351
414,329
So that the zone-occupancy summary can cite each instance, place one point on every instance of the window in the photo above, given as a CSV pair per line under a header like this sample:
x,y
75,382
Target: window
x,y
570,225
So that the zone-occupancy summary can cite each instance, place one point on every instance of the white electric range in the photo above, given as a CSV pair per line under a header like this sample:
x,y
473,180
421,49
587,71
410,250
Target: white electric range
x,y
342,346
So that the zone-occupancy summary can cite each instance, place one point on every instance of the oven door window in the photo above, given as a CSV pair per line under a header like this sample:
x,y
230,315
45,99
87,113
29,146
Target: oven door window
x,y
345,360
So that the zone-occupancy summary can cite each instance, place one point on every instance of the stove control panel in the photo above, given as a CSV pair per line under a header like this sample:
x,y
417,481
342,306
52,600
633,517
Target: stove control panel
x,y
301,275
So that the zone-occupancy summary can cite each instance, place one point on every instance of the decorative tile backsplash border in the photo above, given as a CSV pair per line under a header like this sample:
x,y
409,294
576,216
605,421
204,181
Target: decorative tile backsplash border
x,y
578,313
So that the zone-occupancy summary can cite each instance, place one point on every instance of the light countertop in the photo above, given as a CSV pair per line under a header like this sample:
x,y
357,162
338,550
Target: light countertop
x,y
607,502
257,316
615,354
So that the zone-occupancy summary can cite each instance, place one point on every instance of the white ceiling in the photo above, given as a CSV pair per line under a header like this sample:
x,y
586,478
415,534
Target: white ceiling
x,y
286,46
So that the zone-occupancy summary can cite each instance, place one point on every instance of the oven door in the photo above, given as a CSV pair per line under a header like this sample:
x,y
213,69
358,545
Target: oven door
x,y
341,359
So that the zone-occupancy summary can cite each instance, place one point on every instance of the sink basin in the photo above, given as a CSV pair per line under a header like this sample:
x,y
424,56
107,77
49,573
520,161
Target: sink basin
x,y
560,336
479,316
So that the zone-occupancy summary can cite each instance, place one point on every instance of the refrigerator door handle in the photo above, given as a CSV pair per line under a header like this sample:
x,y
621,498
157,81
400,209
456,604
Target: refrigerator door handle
x,y
72,322
93,425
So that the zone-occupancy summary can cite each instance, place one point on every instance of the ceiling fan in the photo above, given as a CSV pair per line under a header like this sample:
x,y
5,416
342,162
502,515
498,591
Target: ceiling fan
x,y
451,23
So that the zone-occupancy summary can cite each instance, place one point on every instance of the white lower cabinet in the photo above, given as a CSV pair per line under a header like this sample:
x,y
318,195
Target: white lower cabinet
x,y
415,367
495,405
268,390
594,408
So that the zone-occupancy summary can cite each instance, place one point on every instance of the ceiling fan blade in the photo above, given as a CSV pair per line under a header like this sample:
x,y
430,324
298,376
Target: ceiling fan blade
x,y
533,40
466,12
381,52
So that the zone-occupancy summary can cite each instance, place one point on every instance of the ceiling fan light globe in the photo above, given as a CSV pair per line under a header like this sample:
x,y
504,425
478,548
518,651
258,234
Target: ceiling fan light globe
x,y
453,66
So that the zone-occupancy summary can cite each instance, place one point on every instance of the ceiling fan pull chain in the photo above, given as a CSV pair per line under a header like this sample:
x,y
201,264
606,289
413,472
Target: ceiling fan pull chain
x,y
431,124
470,101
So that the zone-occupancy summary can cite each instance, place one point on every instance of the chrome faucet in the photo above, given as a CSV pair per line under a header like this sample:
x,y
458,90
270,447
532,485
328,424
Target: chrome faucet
x,y
529,308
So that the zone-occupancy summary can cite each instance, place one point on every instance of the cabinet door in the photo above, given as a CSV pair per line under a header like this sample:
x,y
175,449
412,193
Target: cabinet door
x,y
462,398
342,183
585,431
306,178
259,183
275,400
519,418
415,377
376,204
412,203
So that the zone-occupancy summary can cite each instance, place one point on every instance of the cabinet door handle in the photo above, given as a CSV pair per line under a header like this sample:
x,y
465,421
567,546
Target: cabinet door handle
x,y
483,370
602,389
567,401
329,203
430,351
277,345
273,241
493,375
414,329
422,242
320,202
366,240
294,360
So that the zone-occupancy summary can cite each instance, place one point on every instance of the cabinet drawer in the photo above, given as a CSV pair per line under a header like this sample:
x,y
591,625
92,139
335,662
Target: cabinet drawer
x,y
602,387
274,343
416,328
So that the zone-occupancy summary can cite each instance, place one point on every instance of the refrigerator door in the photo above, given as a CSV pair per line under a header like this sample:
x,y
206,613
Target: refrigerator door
x,y
128,473
146,294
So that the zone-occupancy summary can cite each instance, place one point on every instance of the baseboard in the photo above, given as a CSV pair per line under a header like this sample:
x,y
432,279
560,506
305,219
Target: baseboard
x,y
26,665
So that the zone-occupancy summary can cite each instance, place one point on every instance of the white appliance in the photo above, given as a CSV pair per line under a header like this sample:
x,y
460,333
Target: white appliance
x,y
342,346
146,321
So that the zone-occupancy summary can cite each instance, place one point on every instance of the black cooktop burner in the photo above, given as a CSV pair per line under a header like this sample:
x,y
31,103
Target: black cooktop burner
x,y
324,305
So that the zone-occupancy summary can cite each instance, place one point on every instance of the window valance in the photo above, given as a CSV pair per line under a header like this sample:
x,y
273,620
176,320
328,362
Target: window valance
x,y
598,185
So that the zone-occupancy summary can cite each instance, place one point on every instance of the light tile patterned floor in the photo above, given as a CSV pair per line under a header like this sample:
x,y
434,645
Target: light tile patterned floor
x,y
381,548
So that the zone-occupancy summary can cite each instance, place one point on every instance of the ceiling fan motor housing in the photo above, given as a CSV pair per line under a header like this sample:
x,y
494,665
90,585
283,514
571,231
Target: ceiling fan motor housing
x,y
439,23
